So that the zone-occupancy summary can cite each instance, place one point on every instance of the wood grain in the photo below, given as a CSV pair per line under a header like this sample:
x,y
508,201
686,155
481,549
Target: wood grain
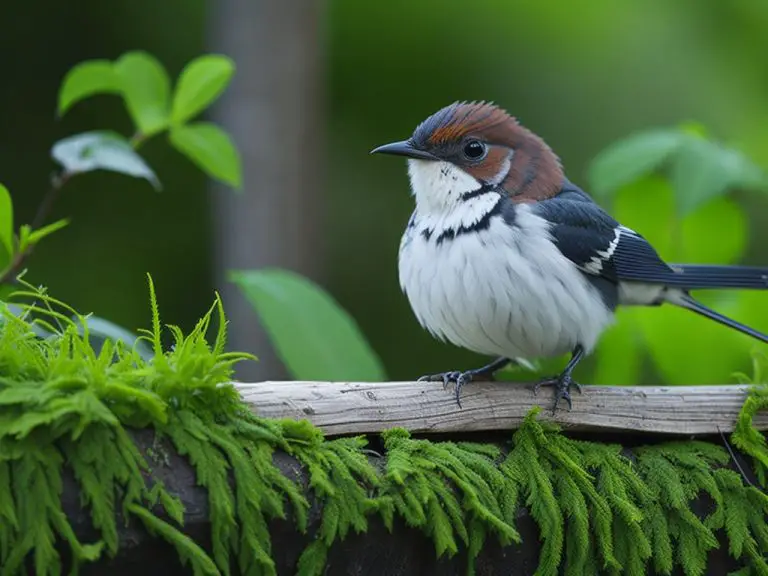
x,y
370,407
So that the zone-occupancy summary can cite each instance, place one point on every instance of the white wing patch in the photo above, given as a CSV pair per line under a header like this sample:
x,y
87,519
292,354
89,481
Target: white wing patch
x,y
595,264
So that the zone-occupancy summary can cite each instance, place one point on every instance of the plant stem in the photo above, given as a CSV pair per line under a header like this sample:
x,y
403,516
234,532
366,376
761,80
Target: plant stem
x,y
137,140
57,183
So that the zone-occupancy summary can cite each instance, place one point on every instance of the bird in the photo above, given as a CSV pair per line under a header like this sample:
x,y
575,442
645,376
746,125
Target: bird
x,y
504,256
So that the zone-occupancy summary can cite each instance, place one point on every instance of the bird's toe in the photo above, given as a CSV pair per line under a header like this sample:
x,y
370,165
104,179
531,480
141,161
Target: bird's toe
x,y
562,394
462,379
562,384
542,383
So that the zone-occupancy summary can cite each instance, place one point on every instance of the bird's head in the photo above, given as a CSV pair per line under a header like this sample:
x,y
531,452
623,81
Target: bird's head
x,y
469,146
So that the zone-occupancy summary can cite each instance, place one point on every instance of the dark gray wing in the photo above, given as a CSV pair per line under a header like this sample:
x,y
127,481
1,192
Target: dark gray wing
x,y
590,238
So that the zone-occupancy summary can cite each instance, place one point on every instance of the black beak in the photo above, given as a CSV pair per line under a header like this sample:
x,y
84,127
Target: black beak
x,y
404,148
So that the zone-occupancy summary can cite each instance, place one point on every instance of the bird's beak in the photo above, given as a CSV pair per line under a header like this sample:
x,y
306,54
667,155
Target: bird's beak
x,y
404,148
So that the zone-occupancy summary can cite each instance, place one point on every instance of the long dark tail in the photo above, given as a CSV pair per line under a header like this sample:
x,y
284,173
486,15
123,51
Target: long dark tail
x,y
689,303
703,276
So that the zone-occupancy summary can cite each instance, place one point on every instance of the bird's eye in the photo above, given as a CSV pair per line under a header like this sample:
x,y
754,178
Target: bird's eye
x,y
474,150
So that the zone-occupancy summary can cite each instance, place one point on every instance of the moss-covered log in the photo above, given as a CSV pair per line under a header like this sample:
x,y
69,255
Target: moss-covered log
x,y
403,551
115,463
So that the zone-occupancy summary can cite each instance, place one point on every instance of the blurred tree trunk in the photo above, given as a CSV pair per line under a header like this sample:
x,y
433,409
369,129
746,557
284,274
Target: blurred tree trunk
x,y
275,111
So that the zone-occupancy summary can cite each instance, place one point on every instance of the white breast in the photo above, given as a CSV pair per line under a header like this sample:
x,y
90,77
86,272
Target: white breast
x,y
505,290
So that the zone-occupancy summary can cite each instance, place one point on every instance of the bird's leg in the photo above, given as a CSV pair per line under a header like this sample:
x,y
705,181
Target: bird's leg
x,y
462,378
563,382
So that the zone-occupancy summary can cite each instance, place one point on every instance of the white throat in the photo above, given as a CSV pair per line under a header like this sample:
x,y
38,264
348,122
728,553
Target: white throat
x,y
438,186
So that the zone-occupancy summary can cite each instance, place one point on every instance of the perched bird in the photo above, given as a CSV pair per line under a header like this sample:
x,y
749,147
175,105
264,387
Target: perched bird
x,y
506,257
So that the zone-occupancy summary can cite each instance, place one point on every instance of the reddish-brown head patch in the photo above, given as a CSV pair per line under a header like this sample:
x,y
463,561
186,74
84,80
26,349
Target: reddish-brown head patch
x,y
467,119
533,170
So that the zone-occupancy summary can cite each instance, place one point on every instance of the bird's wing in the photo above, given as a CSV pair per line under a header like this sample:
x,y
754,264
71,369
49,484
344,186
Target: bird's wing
x,y
590,238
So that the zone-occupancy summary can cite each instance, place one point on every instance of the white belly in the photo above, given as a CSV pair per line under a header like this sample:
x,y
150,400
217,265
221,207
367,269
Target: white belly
x,y
503,291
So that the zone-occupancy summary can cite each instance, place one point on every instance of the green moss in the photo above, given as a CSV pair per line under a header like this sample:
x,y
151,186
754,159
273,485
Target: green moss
x,y
746,437
62,402
451,491
599,508
342,479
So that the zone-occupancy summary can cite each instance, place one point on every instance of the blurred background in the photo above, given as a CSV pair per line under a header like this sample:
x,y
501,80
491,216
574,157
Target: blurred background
x,y
318,85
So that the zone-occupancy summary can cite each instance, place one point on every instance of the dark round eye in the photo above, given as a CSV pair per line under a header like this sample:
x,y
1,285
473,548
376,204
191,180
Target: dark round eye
x,y
474,149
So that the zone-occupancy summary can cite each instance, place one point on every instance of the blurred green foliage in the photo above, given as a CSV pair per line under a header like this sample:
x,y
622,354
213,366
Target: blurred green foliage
x,y
144,85
315,337
581,75
676,187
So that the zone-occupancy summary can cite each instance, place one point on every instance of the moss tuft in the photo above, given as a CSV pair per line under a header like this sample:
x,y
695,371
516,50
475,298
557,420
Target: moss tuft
x,y
453,492
746,437
342,480
60,401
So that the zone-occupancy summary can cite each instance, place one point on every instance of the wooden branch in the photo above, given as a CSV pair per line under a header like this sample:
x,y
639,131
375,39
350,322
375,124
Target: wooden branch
x,y
361,408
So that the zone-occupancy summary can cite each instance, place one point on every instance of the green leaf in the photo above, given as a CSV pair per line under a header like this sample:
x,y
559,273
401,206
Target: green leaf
x,y
29,238
146,88
631,158
6,227
25,230
200,83
698,175
700,245
705,170
35,236
86,79
101,150
315,337
211,148
647,206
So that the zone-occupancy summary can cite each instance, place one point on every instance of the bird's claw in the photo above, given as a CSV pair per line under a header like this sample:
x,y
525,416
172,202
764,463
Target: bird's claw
x,y
445,377
562,384
455,376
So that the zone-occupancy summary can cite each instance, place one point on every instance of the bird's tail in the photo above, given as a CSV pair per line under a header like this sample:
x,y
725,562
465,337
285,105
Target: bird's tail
x,y
689,303
703,276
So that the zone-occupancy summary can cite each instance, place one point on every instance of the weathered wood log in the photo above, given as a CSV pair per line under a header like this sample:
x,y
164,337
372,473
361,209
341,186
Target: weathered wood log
x,y
403,552
367,408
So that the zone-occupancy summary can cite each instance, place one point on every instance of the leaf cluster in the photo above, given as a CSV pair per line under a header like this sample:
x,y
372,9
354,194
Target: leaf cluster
x,y
145,87
313,334
674,185
699,168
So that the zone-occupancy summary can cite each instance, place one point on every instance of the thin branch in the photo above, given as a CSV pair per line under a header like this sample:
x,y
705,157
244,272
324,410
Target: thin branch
x,y
43,211
57,183
137,140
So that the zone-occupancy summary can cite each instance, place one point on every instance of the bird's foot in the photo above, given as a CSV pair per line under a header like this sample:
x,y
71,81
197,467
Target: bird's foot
x,y
562,384
457,377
